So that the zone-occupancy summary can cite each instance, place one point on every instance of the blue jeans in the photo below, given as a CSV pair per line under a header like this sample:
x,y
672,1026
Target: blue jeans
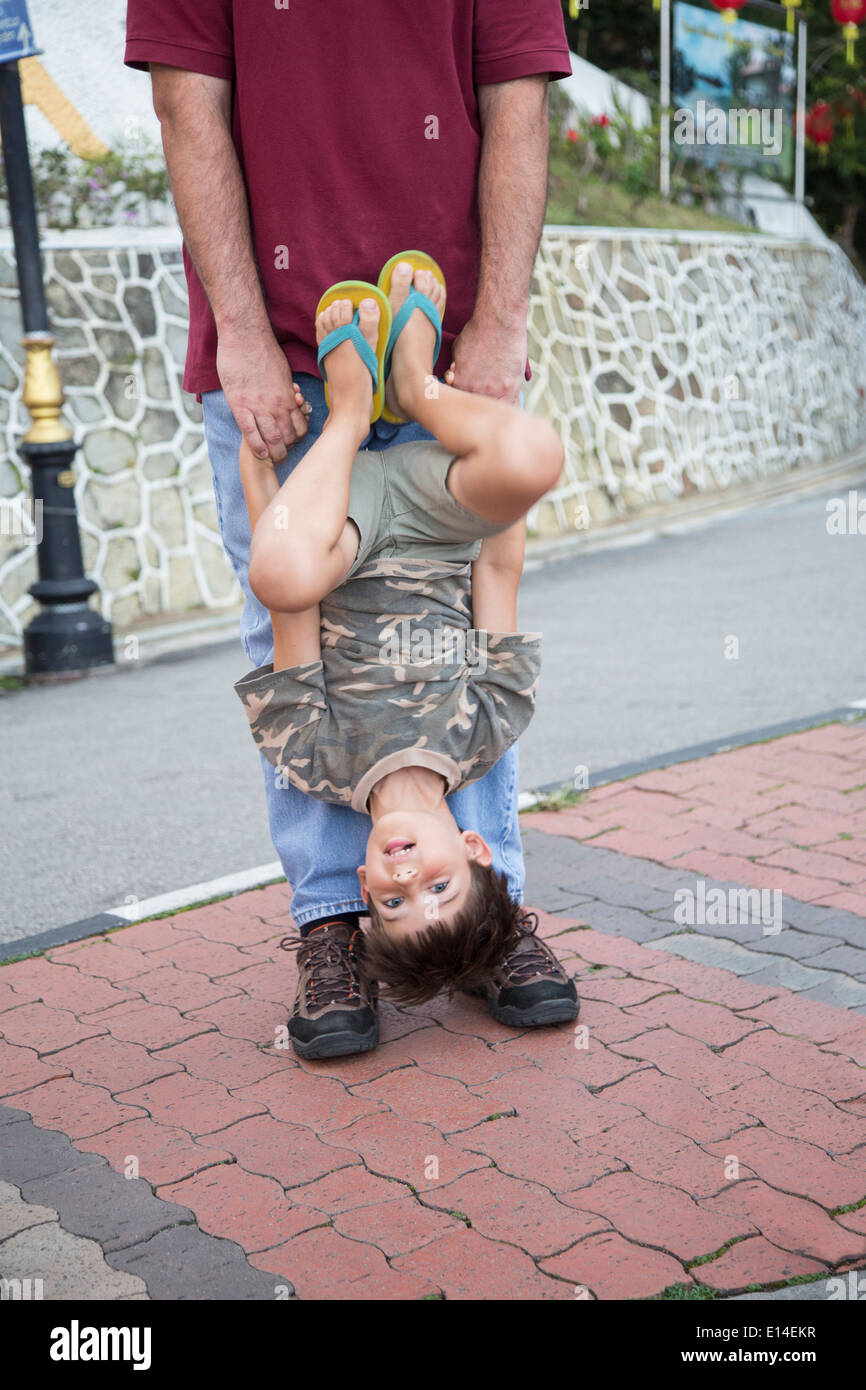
x,y
320,844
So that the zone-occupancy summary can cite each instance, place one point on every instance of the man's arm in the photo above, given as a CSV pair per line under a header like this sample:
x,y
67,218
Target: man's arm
x,y
195,115
490,353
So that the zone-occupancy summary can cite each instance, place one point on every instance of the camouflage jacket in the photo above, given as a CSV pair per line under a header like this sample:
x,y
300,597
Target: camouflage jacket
x,y
404,681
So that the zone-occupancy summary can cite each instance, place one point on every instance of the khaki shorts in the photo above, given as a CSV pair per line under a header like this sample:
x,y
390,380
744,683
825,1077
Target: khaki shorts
x,y
400,503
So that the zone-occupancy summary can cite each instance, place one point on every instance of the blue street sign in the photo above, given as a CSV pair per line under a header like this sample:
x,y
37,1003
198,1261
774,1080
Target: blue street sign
x,y
16,35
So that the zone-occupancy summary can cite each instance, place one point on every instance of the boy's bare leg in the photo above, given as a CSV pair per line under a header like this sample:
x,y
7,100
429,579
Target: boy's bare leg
x,y
505,459
303,543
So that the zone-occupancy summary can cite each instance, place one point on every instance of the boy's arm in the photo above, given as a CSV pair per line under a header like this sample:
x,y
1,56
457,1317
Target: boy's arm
x,y
496,580
297,637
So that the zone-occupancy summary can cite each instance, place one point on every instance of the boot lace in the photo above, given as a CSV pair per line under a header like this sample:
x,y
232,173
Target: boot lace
x,y
530,956
333,977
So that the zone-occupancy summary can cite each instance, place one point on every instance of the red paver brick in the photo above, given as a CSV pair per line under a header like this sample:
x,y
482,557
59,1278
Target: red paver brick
x,y
520,1213
74,1108
21,1069
233,1061
12,999
211,958
851,1045
268,902
525,1149
347,1189
665,847
462,1015
813,862
405,1149
200,1107
468,1266
849,901
164,1153
853,1220
214,923
710,1023
271,980
152,1025
800,1064
319,1102
678,1105
664,1156
790,1222
104,960
656,1214
708,982
45,1029
395,1227
754,1261
118,1066
458,1055
576,826
411,1092
609,1024
791,1165
611,1267
236,1205
800,1114
322,1264
186,989
623,990
563,1102
599,949
809,1018
154,936
291,1154
554,1050
241,1017
689,1060
83,995
19,975
731,869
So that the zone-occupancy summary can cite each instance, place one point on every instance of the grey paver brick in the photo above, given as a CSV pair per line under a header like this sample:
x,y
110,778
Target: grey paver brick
x,y
710,950
845,993
622,921
790,974
29,1153
17,1215
819,1290
846,959
183,1263
100,1203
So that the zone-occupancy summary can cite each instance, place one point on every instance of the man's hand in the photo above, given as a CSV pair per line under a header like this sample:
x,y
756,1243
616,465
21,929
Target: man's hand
x,y
267,404
489,359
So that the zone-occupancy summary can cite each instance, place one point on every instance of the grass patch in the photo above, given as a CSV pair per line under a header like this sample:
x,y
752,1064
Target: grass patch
x,y
677,1293
587,201
12,682
556,801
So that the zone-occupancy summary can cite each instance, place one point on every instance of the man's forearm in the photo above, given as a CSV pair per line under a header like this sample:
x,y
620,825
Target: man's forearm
x,y
209,194
512,192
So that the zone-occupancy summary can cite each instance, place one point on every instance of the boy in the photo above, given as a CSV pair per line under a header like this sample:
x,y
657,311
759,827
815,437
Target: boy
x,y
358,547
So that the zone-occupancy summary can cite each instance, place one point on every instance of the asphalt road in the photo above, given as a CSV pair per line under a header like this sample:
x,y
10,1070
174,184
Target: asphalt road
x,y
145,781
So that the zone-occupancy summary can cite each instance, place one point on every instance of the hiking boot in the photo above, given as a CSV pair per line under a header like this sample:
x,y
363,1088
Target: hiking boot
x,y
335,1007
530,988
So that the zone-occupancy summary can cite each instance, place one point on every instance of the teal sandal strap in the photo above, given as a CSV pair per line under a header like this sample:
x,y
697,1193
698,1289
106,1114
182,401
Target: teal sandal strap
x,y
414,300
352,333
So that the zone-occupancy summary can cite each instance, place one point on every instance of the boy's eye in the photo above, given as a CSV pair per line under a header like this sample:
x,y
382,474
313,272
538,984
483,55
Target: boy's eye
x,y
392,902
439,887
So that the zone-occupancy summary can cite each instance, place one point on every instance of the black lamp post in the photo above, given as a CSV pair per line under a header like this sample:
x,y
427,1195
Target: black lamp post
x,y
67,635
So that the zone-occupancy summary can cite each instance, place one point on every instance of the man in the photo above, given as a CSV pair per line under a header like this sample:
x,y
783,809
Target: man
x,y
306,143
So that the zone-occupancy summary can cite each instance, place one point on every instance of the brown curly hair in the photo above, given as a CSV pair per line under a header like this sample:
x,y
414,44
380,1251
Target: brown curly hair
x,y
446,955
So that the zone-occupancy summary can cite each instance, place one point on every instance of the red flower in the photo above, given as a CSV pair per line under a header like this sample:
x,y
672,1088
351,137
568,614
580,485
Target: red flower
x,y
600,120
572,136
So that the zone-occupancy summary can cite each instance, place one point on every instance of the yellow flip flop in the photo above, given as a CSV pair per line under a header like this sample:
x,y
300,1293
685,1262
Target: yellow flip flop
x,y
356,290
419,260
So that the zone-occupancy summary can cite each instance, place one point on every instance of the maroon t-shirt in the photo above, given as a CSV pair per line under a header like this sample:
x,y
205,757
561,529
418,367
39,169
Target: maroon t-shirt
x,y
357,129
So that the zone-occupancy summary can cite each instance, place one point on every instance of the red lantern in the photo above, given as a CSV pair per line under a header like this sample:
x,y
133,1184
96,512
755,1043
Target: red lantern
x,y
849,13
820,125
729,8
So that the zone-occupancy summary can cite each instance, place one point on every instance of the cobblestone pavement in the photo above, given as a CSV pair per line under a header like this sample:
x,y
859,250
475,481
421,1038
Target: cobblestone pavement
x,y
702,1125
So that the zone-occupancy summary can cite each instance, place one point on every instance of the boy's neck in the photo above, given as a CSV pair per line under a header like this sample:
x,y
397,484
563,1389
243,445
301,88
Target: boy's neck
x,y
408,789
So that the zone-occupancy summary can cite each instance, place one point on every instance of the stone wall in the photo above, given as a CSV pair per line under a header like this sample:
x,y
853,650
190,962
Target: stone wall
x,y
673,364
685,362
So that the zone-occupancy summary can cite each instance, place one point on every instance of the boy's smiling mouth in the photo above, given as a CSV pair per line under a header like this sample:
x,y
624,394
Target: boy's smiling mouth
x,y
398,849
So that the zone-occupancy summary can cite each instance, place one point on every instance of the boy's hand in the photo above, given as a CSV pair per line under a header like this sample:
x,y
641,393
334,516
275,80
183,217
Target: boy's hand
x,y
268,406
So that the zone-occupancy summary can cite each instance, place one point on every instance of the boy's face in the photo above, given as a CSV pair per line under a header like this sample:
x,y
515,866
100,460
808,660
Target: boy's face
x,y
417,869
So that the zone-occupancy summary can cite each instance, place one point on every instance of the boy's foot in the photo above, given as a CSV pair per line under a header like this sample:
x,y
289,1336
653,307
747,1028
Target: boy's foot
x,y
335,1007
350,386
412,358
530,988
